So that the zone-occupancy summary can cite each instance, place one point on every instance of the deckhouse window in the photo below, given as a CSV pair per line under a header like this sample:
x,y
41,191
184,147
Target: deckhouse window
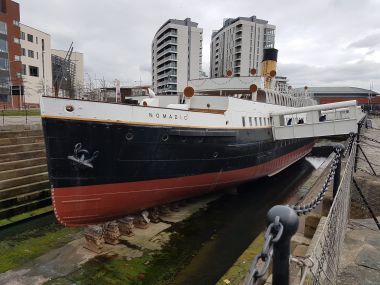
x,y
255,121
261,122
243,121
250,121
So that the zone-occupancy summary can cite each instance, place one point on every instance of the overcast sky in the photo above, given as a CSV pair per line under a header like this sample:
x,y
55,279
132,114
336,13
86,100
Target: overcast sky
x,y
320,42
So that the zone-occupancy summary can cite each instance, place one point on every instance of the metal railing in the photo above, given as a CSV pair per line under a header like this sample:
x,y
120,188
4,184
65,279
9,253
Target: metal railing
x,y
324,253
25,116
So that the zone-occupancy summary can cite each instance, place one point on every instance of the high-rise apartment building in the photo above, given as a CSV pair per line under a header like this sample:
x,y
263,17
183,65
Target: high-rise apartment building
x,y
11,88
238,46
176,55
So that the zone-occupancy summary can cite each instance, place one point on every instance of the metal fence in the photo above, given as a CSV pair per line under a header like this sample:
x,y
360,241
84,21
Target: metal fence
x,y
324,253
9,117
321,264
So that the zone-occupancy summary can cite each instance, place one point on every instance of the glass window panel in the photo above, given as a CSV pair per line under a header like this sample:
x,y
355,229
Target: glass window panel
x,y
3,45
3,28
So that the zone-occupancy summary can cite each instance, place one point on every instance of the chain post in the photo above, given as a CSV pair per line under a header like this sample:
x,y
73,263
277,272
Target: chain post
x,y
288,218
339,150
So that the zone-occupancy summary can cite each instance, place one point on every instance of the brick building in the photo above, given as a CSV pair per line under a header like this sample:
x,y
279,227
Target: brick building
x,y
11,89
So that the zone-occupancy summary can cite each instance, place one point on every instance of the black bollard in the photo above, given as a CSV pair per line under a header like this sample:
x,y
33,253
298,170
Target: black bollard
x,y
339,148
281,249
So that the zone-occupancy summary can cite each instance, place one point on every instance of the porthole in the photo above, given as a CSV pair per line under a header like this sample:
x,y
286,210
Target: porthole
x,y
165,137
69,108
129,136
226,122
208,105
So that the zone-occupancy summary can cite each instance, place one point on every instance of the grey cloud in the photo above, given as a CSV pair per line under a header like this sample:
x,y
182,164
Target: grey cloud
x,y
358,74
369,41
115,36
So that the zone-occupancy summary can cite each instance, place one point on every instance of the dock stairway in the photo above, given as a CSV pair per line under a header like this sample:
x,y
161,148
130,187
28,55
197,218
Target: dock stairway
x,y
317,121
24,184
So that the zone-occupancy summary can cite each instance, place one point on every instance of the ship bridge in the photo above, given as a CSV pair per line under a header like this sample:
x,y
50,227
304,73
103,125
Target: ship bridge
x,y
317,121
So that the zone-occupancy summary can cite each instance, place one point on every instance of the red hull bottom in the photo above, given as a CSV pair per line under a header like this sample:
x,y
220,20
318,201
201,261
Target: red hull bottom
x,y
81,205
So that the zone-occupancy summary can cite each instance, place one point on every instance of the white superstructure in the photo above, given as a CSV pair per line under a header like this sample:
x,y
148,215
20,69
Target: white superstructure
x,y
238,46
176,55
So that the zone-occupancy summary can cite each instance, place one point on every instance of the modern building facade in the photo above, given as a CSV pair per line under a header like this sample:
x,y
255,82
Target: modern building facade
x,y
36,64
176,55
369,99
238,46
11,89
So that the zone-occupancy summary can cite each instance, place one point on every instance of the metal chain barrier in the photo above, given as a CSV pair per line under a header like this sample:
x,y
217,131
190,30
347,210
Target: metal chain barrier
x,y
325,250
272,235
305,209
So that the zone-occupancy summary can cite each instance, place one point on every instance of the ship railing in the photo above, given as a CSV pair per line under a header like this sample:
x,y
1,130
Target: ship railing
x,y
316,121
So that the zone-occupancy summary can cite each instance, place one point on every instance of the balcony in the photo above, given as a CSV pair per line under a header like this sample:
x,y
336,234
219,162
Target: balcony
x,y
167,41
172,65
167,83
172,57
171,33
165,51
171,72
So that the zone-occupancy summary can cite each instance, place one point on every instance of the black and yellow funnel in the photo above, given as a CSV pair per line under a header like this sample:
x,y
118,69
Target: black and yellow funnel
x,y
269,63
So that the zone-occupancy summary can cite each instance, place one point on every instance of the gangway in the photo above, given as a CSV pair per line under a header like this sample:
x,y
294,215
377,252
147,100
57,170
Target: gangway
x,y
317,121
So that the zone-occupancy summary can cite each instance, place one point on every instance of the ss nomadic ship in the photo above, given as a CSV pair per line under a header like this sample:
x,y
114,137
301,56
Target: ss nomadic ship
x,y
107,160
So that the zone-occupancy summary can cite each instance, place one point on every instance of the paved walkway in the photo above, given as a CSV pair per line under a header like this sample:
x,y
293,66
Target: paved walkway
x,y
19,120
360,260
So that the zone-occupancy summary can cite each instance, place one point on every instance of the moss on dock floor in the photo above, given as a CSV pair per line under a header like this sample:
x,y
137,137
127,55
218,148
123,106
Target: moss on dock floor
x,y
240,268
22,247
153,267
24,216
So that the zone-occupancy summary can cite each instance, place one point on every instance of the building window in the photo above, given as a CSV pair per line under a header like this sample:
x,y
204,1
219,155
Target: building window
x,y
30,38
37,54
17,58
43,44
3,28
18,75
3,45
3,64
23,69
33,71
36,40
17,41
30,53
16,23
23,52
23,36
